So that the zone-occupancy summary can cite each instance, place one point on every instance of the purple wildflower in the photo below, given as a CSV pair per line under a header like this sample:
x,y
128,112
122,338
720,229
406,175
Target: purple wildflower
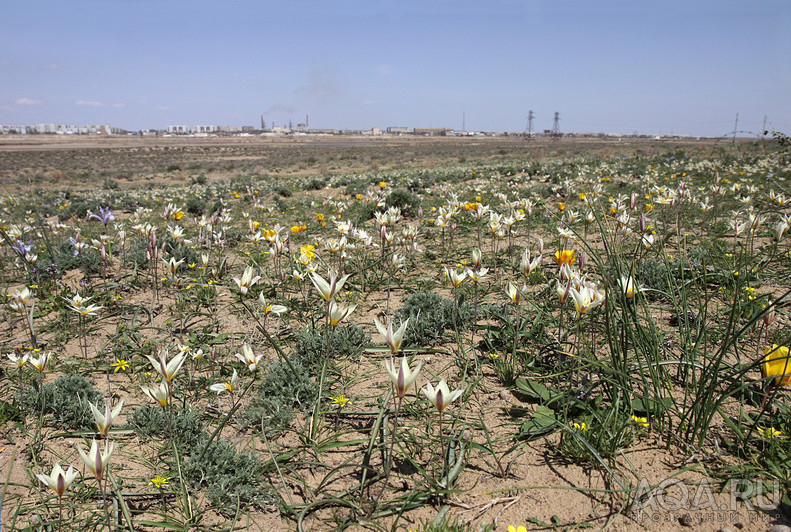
x,y
104,216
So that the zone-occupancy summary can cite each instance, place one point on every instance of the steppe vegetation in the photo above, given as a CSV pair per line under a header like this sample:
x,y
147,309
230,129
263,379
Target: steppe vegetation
x,y
421,335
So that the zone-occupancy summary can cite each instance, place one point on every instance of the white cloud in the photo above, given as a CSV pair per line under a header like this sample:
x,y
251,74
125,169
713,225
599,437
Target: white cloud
x,y
368,102
118,105
89,103
165,108
53,66
28,101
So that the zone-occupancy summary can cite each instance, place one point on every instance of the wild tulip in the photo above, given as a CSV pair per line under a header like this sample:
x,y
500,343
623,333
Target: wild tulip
x,y
270,309
167,369
338,312
95,460
173,265
18,361
562,290
441,397
776,364
105,421
586,298
513,293
393,339
528,265
40,362
78,305
58,479
247,280
228,386
404,377
476,275
627,286
455,277
328,289
476,258
159,394
564,256
249,358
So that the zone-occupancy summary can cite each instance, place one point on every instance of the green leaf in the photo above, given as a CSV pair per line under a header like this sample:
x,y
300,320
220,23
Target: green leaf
x,y
645,405
162,524
533,389
542,423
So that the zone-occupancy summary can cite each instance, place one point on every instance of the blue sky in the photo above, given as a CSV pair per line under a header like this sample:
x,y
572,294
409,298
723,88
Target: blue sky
x,y
613,66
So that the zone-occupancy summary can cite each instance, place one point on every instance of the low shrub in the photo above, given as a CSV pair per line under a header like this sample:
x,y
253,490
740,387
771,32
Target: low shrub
x,y
282,391
429,316
66,399
183,425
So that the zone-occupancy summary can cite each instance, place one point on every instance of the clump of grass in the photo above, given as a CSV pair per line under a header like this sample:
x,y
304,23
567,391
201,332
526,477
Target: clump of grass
x,y
283,191
184,426
315,184
230,478
281,392
9,412
430,315
604,434
66,399
344,342
408,202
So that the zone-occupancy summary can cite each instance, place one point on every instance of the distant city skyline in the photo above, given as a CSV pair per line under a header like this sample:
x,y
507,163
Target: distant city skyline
x,y
684,68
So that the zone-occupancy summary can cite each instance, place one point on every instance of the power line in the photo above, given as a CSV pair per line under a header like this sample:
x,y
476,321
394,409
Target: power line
x,y
529,125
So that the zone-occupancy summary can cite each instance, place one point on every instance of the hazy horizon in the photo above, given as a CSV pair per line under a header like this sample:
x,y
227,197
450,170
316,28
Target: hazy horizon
x,y
619,67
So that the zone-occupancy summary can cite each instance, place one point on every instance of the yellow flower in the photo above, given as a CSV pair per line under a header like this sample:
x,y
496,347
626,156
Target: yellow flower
x,y
561,206
358,196
178,215
642,421
382,184
494,356
520,528
468,206
119,365
581,427
564,256
769,432
776,364
159,481
340,400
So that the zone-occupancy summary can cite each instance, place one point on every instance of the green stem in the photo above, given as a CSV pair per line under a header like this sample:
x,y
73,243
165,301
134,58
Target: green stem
x,y
271,340
226,418
389,467
104,502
